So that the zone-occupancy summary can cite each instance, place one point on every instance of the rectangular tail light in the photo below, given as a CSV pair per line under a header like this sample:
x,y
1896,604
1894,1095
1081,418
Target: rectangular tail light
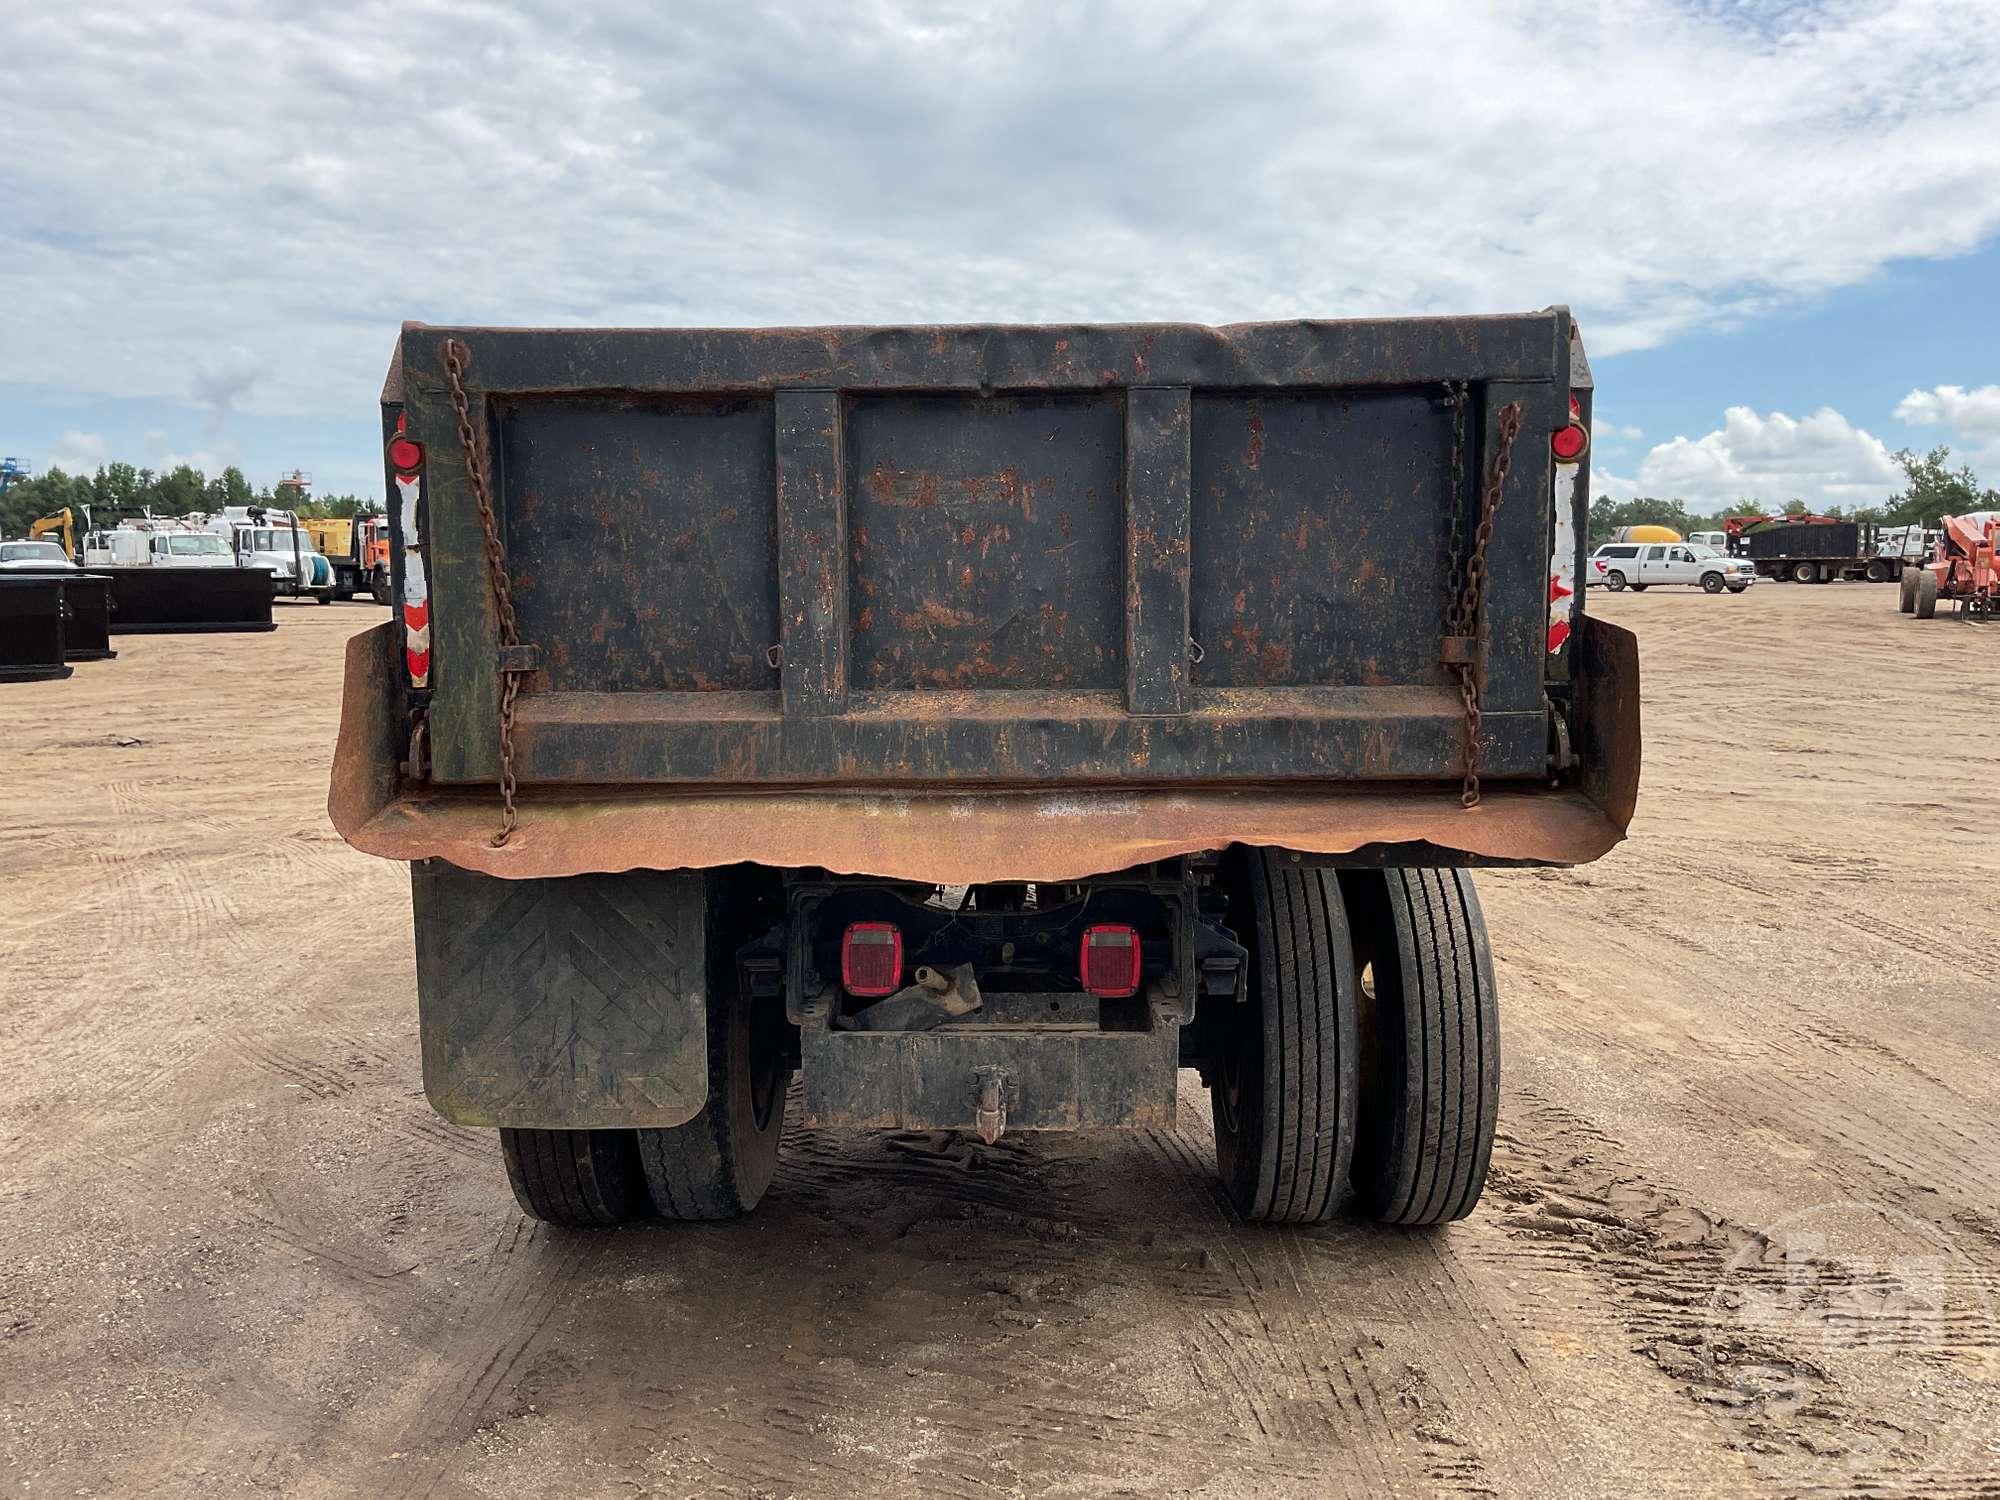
x,y
1110,961
871,958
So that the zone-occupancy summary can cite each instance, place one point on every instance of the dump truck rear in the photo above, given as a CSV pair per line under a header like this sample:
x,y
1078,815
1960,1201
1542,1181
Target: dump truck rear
x,y
979,725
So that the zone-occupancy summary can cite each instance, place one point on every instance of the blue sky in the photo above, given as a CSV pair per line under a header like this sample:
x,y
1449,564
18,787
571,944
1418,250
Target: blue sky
x,y
1859,350
1777,222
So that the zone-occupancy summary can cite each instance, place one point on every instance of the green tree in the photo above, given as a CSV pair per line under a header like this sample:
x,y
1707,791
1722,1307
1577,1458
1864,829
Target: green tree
x,y
1933,489
178,491
1606,516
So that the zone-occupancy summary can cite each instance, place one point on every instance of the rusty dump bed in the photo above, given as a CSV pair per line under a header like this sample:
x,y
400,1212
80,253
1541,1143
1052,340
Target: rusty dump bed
x,y
985,603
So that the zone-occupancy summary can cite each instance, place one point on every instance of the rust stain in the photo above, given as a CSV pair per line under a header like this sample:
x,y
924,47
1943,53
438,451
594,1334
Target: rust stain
x,y
1253,450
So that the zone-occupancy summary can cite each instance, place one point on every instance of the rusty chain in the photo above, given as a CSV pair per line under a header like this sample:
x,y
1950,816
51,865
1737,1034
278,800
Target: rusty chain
x,y
1456,393
456,357
1463,618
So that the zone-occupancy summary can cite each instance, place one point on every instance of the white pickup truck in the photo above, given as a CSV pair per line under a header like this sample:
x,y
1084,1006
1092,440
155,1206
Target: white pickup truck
x,y
1640,565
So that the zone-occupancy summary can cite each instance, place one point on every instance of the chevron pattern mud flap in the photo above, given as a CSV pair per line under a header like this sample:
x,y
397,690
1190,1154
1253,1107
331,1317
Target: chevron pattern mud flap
x,y
573,1003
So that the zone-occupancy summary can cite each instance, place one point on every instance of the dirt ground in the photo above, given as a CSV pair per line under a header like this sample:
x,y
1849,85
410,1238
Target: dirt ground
x,y
1742,1234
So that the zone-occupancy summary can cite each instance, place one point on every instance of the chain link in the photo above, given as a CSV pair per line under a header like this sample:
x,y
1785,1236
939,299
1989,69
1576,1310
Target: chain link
x,y
1464,615
456,357
1457,394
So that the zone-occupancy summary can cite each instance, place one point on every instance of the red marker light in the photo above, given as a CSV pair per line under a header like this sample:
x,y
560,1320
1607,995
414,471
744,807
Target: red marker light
x,y
405,457
1568,443
871,958
1110,961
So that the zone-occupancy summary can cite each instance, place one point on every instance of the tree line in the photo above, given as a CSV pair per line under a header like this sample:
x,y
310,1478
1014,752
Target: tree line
x,y
179,491
1932,488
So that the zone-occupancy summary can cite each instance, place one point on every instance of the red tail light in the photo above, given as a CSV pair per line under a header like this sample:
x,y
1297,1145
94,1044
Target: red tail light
x,y
1568,443
1110,961
871,958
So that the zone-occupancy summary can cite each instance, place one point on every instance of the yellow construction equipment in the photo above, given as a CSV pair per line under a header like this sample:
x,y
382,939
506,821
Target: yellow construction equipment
x,y
61,524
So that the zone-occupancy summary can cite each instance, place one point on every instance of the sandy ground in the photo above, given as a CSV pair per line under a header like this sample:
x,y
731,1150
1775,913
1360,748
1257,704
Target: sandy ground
x,y
1742,1235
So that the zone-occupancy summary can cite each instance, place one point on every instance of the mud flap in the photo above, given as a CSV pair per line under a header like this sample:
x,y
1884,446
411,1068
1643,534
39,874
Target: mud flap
x,y
562,1004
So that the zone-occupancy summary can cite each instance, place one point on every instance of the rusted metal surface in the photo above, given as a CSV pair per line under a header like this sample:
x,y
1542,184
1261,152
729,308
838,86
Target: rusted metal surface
x,y
978,555
985,835
1002,1070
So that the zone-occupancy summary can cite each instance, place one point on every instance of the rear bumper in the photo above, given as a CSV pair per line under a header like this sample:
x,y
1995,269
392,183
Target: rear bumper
x,y
994,835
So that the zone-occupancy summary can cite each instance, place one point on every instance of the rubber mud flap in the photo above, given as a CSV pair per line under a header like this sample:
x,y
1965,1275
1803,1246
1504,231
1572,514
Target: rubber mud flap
x,y
562,1004
1607,719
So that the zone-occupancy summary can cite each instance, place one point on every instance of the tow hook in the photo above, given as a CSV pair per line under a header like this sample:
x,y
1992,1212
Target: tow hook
x,y
989,1117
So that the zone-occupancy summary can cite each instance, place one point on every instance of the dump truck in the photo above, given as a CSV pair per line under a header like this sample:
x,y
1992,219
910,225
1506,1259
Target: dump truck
x,y
971,727
358,549
1816,549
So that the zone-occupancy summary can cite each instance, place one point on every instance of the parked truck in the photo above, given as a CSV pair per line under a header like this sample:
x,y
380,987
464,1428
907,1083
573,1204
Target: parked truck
x,y
986,723
1818,549
357,547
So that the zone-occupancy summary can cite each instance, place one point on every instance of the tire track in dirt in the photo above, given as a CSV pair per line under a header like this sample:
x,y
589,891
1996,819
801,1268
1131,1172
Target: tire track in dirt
x,y
1662,1265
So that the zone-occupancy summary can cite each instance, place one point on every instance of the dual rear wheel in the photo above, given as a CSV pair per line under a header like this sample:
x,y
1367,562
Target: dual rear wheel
x,y
716,1166
1360,1071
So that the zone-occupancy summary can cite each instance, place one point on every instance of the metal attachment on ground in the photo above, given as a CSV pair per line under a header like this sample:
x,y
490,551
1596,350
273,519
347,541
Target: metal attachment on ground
x,y
456,357
1463,617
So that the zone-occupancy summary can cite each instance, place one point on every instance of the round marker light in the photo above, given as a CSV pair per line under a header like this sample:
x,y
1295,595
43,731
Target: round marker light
x,y
1568,443
404,455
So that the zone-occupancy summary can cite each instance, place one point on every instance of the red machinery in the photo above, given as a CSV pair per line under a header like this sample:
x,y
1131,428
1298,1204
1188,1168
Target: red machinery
x,y
1737,525
1961,567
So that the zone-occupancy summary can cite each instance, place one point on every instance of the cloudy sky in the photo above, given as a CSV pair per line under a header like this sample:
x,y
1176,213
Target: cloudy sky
x,y
1778,221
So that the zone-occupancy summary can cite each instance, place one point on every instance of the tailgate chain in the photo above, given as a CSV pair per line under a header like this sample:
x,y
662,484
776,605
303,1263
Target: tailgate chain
x,y
1462,619
513,662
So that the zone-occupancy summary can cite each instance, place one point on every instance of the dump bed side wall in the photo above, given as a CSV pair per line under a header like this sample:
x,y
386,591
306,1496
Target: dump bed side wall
x,y
973,555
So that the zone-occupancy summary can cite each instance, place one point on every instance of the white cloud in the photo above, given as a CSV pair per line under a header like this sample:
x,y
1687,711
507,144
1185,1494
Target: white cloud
x,y
79,452
206,460
266,225
1822,459
1605,485
1973,416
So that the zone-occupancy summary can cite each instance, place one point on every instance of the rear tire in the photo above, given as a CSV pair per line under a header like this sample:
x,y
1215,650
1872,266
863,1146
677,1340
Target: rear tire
x,y
1927,594
1282,1087
579,1179
1430,1038
718,1165
1906,593
1614,580
1877,571
1804,573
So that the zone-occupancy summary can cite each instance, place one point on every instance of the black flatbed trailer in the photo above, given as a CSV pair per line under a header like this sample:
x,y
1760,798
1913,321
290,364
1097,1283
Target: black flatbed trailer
x,y
1087,701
